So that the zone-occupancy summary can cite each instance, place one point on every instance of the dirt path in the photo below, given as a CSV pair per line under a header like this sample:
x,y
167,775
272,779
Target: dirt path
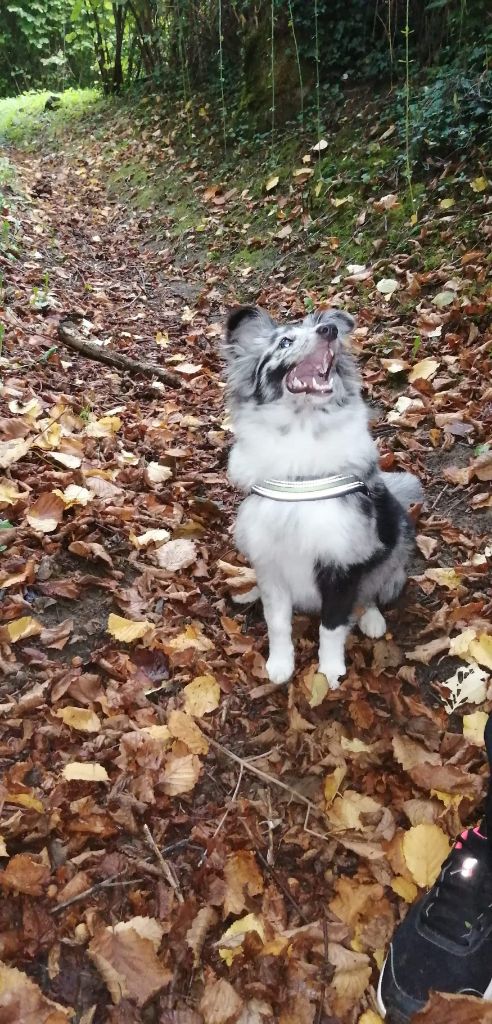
x,y
95,460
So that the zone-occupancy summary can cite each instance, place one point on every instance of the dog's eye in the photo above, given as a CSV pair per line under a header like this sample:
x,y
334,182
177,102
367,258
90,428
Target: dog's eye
x,y
285,342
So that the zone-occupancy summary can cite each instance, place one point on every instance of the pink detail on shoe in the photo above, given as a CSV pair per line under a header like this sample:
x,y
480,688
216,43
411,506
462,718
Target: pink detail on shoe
x,y
478,833
464,835
458,846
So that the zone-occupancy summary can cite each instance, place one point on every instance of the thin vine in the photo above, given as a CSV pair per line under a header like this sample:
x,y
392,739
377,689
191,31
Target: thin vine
x,y
272,66
221,76
318,102
298,60
406,32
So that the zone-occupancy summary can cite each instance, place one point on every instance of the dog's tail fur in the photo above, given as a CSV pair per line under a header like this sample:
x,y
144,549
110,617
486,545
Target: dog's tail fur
x,y
405,487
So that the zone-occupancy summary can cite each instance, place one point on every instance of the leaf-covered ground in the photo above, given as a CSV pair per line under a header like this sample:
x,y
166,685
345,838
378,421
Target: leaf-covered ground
x,y
180,841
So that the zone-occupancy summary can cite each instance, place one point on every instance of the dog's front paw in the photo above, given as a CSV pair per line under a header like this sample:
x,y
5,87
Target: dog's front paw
x,y
372,623
334,672
280,667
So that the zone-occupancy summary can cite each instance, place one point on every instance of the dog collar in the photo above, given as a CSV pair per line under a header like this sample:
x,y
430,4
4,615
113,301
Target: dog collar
x,y
309,490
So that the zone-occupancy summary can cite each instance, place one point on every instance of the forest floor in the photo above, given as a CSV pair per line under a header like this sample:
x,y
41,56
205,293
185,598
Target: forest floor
x,y
182,842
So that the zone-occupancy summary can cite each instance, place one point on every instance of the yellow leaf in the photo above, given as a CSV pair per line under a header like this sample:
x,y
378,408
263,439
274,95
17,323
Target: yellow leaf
x,y
404,888
46,513
317,188
201,696
339,201
158,732
20,629
423,370
25,800
448,799
9,494
425,847
481,650
150,537
180,774
31,410
318,688
474,726
74,495
232,939
126,630
272,183
446,204
444,577
479,184
104,427
354,746
162,339
333,782
192,637
370,1017
85,772
79,718
182,727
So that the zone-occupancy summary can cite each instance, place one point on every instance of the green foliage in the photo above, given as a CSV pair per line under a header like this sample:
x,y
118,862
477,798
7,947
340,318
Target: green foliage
x,y
449,114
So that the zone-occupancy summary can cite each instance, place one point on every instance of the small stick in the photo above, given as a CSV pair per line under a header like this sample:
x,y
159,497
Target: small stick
x,y
263,775
271,871
231,803
107,883
70,337
166,868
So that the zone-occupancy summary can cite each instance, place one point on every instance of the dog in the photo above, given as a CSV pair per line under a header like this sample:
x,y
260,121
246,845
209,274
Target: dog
x,y
302,428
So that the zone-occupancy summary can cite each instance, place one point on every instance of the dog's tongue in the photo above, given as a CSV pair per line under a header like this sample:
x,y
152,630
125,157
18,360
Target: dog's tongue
x,y
312,373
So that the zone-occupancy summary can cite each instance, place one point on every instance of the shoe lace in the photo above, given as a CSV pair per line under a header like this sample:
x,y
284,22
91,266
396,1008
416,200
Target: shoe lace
x,y
462,899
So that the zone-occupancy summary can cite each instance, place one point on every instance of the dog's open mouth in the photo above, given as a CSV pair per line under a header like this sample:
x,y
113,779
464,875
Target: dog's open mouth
x,y
313,375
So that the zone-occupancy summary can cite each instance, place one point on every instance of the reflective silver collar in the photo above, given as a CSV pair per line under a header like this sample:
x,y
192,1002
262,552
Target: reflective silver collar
x,y
309,490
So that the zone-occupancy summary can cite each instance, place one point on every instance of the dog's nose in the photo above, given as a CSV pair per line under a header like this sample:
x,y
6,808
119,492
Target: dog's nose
x,y
328,331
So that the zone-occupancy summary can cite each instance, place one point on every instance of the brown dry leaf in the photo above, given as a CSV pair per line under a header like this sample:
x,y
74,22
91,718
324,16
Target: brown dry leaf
x,y
127,630
126,958
423,370
3,849
46,513
201,696
56,637
150,537
104,427
425,652
408,753
444,577
79,718
20,629
448,778
299,1010
240,578
220,1004
85,772
13,450
197,933
22,1002
333,782
180,774
317,687
425,847
346,811
256,1012
176,554
23,874
91,550
231,942
352,899
449,1009
351,978
12,579
243,878
182,727
9,494
157,474
191,637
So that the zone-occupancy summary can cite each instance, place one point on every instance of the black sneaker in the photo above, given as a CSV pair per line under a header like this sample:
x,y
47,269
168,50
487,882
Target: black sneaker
x,y
445,942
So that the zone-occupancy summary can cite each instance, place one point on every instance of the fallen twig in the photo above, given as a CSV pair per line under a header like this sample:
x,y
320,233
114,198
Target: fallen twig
x,y
166,868
272,781
107,883
70,336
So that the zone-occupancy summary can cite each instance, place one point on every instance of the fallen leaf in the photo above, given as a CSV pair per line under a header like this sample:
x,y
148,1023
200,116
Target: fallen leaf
x,y
13,450
9,494
446,204
176,554
272,183
182,727
231,942
333,782
197,933
404,888
22,1002
388,202
444,298
23,874
79,718
320,146
201,696
444,577
180,774
74,495
192,637
46,513
285,231
408,753
157,474
317,686
479,184
243,878
466,686
352,973
91,550
104,427
442,1008
67,460
150,537
425,847
387,286
474,727
219,1003
472,648
85,772
126,958
126,630
423,370
20,629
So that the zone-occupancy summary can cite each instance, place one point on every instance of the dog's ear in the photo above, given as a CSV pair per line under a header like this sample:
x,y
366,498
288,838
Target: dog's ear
x,y
248,327
338,318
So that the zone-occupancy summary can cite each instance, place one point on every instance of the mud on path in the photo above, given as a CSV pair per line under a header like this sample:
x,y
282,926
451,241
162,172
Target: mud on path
x,y
278,843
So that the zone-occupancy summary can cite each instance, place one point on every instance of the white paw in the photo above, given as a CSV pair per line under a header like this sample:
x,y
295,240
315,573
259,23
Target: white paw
x,y
334,672
372,623
280,667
